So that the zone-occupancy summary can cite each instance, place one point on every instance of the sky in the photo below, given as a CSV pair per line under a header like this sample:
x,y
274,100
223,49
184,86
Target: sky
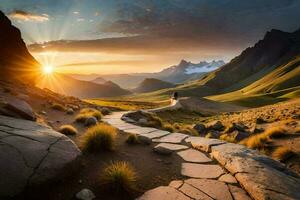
x,y
129,36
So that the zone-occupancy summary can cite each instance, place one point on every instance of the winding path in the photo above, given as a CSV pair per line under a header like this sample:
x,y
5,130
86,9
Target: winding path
x,y
240,173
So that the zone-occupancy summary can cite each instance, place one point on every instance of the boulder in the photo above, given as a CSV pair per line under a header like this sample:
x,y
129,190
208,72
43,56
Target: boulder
x,y
70,111
85,194
31,154
105,111
237,127
200,128
20,107
216,125
90,121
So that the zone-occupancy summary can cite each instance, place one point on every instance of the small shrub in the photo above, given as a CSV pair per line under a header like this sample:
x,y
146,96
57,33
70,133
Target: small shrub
x,y
209,135
119,177
168,127
132,139
256,141
275,132
68,130
228,138
189,131
99,138
58,106
282,154
86,113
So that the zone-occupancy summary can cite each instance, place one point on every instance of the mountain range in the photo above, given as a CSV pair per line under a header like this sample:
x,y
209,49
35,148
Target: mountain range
x,y
152,84
270,66
176,74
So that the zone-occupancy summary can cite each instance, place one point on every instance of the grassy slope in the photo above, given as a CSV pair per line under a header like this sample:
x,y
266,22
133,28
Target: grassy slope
x,y
280,84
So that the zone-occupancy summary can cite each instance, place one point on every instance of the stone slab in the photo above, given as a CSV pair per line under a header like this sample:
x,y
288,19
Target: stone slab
x,y
193,192
172,138
201,170
192,155
176,184
32,154
213,188
238,193
167,148
155,134
227,178
142,130
261,176
163,193
203,144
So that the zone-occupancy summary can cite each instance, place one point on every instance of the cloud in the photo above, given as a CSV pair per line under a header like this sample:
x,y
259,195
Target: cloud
x,y
26,16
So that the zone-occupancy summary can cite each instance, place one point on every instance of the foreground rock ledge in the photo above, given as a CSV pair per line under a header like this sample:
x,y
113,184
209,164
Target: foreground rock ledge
x,y
30,155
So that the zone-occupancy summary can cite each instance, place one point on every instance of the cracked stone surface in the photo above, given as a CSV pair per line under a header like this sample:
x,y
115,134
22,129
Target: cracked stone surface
x,y
261,176
193,192
164,193
172,138
142,130
192,155
238,193
166,148
201,170
227,178
214,189
31,154
203,144
176,184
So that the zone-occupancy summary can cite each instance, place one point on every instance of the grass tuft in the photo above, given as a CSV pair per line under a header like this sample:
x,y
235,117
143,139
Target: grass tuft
x,y
58,106
98,138
87,113
275,132
132,139
228,138
169,127
256,141
68,130
282,154
119,177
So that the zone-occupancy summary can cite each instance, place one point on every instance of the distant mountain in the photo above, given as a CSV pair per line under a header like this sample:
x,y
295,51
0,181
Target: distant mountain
x,y
271,65
16,63
82,89
99,80
152,84
184,71
187,71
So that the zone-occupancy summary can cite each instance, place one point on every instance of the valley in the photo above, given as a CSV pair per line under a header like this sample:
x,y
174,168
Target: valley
x,y
212,129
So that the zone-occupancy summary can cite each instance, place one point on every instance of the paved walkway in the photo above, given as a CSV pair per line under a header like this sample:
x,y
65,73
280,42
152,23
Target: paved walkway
x,y
239,174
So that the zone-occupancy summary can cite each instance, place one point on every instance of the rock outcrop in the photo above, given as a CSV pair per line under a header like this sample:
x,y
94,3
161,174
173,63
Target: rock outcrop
x,y
16,63
31,155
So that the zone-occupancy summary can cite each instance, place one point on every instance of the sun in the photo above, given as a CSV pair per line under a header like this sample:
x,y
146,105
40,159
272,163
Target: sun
x,y
48,69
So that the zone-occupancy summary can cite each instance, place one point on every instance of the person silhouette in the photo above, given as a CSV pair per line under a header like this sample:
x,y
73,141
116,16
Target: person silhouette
x,y
175,95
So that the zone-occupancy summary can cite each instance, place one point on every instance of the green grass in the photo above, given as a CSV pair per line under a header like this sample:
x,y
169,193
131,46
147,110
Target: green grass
x,y
98,138
119,177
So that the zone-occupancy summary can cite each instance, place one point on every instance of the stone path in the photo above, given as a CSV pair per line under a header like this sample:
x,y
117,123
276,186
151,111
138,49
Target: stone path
x,y
31,154
214,169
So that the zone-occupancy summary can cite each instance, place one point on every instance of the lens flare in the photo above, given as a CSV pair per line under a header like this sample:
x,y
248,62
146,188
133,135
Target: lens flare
x,y
47,69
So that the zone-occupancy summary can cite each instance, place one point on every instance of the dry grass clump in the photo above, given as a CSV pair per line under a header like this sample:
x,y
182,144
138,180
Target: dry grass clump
x,y
169,127
256,141
99,138
275,132
86,113
58,106
132,139
228,138
188,130
119,177
282,154
68,130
